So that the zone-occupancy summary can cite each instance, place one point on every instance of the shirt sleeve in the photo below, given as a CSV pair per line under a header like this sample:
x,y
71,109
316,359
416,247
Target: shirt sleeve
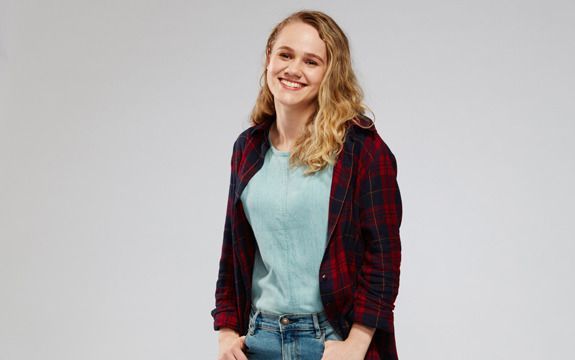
x,y
380,219
225,313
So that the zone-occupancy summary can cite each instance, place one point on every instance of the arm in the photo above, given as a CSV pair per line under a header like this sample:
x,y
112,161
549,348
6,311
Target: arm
x,y
360,335
225,313
380,217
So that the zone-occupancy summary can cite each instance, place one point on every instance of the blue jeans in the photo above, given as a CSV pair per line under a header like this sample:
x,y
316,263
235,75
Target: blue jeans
x,y
287,336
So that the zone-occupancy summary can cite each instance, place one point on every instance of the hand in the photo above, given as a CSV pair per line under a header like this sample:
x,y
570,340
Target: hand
x,y
232,346
342,350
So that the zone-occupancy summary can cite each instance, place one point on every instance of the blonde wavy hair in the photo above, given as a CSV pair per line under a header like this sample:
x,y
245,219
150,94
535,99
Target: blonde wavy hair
x,y
339,100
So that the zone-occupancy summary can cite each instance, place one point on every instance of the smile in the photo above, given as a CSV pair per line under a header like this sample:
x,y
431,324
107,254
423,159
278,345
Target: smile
x,y
291,85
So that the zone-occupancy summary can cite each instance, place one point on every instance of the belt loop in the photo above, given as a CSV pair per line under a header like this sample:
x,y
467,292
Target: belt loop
x,y
253,319
316,325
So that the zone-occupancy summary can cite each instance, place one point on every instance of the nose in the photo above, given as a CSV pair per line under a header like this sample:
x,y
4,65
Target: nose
x,y
293,70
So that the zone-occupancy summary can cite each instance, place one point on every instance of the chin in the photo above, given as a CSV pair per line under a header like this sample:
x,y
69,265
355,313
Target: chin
x,y
291,100
291,103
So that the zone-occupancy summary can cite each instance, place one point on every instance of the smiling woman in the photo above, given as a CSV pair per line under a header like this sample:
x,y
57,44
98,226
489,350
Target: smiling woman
x,y
294,66
309,267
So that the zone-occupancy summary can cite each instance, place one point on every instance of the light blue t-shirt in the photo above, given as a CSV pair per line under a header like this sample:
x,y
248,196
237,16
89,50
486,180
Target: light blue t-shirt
x,y
288,213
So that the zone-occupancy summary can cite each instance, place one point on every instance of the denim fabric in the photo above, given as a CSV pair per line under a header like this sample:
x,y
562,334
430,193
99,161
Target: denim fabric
x,y
287,336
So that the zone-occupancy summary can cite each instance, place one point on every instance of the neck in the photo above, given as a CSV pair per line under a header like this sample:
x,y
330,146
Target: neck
x,y
289,125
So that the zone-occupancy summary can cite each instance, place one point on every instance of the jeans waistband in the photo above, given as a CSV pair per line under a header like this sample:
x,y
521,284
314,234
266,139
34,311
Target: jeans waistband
x,y
287,321
275,316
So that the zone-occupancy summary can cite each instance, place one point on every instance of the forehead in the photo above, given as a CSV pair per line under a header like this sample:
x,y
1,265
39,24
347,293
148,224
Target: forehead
x,y
301,37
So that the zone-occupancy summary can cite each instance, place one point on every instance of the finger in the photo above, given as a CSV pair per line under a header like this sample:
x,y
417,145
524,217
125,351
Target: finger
x,y
226,357
239,354
243,342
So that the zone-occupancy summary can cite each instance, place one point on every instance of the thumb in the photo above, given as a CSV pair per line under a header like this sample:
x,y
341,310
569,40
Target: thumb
x,y
243,342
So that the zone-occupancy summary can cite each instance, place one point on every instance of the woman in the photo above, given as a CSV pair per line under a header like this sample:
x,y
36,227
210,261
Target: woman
x,y
310,259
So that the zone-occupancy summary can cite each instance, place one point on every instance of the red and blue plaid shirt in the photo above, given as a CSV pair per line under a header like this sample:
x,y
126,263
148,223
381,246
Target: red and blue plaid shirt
x,y
359,273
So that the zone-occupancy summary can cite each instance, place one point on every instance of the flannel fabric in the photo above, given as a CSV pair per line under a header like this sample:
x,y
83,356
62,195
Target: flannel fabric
x,y
359,273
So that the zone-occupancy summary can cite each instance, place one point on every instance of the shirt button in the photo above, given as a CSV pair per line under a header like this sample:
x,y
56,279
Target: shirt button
x,y
285,321
323,276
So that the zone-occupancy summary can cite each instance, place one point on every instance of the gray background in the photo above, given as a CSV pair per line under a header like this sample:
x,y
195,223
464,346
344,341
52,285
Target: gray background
x,y
116,131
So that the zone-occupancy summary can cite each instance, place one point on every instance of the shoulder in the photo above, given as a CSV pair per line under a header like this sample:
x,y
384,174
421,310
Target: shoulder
x,y
247,145
369,143
251,136
242,139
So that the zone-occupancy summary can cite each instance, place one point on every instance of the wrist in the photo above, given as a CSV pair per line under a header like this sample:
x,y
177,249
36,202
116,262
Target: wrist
x,y
227,333
360,335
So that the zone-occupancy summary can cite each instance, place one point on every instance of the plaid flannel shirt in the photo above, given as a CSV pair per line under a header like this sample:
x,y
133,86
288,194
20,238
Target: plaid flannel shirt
x,y
359,273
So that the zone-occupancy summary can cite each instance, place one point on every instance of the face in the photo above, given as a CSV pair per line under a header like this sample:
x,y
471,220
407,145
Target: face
x,y
296,66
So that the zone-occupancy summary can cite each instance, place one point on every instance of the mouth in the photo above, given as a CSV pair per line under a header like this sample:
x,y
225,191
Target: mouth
x,y
292,85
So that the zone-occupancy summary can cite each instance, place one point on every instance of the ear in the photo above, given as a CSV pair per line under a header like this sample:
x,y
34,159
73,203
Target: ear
x,y
267,57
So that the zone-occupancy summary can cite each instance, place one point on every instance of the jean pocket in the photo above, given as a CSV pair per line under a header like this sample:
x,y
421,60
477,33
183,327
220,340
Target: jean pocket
x,y
247,339
330,333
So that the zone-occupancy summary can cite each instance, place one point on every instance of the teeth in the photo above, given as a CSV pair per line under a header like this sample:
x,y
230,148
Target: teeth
x,y
291,84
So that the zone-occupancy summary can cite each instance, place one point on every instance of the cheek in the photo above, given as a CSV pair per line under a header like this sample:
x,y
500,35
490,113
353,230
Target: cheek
x,y
269,77
272,71
273,67
317,77
271,81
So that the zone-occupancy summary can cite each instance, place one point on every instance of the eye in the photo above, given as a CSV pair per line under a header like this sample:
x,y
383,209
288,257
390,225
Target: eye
x,y
311,62
284,55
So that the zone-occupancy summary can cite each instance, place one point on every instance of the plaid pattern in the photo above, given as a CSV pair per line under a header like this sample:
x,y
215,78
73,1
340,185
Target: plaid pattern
x,y
359,274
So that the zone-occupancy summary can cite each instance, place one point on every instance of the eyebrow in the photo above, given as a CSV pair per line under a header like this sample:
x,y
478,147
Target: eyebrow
x,y
306,54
